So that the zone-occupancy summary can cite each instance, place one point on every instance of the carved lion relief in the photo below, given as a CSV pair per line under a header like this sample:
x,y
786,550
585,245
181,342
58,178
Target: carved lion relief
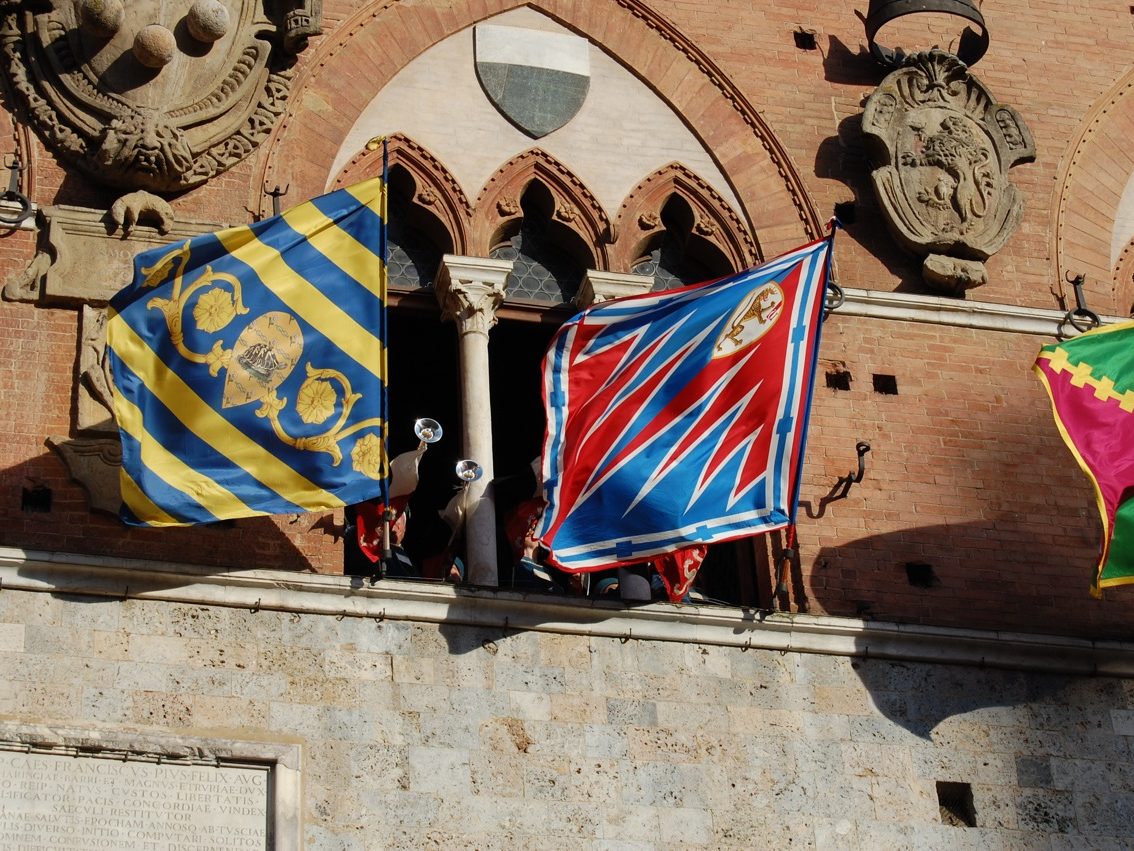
x,y
941,147
157,96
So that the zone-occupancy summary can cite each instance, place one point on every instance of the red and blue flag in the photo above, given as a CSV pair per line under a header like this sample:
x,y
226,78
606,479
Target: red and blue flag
x,y
679,417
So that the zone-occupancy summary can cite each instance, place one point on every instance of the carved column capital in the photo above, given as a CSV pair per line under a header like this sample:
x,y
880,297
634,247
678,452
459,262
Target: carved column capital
x,y
470,289
598,287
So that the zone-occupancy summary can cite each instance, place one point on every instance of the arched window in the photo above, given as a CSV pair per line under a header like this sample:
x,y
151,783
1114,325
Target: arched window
x,y
417,240
677,255
549,259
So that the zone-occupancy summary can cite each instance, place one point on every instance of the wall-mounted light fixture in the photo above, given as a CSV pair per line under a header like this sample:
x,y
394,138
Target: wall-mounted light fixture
x,y
971,45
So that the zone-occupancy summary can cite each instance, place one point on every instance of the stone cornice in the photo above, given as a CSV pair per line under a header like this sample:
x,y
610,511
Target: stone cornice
x,y
341,596
961,313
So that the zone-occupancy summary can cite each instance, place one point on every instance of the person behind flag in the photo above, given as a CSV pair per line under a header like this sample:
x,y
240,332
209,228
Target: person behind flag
x,y
249,366
1090,381
678,418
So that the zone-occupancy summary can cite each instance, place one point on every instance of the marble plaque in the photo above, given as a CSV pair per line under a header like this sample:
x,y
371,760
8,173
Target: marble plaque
x,y
50,801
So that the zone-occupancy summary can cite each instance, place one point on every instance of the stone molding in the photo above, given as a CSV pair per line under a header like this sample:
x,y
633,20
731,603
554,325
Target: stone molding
x,y
470,289
285,803
959,313
74,240
598,287
747,629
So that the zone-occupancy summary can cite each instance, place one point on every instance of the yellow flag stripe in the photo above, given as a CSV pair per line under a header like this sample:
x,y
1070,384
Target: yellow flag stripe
x,y
306,300
175,472
212,428
353,257
144,508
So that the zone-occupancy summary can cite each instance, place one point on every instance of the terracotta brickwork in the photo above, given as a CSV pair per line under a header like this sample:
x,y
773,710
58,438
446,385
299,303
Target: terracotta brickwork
x,y
966,475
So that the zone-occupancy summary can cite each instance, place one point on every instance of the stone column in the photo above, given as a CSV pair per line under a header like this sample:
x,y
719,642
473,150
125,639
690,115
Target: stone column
x,y
470,289
598,287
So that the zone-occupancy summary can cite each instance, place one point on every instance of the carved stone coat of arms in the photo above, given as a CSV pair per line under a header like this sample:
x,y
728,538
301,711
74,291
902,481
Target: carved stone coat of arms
x,y
941,147
155,96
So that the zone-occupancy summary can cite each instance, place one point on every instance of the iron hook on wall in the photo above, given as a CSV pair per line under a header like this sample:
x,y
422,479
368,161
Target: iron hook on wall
x,y
843,484
13,195
1081,318
833,299
276,194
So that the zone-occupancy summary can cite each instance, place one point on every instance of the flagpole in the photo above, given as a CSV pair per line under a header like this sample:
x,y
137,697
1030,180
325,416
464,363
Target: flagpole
x,y
790,539
383,281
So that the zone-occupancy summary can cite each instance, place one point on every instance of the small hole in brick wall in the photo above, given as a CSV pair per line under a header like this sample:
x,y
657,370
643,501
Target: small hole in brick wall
x,y
839,379
886,385
36,500
921,575
805,39
845,212
956,803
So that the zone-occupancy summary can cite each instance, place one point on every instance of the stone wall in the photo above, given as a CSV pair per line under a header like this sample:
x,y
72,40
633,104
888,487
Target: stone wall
x,y
967,473
414,733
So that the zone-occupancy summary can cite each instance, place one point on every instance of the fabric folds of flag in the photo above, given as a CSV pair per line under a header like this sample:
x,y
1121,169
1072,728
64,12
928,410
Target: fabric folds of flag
x,y
679,417
249,367
1090,380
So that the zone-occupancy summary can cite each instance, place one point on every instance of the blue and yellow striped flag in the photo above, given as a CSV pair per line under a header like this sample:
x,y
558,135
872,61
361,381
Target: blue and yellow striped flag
x,y
249,366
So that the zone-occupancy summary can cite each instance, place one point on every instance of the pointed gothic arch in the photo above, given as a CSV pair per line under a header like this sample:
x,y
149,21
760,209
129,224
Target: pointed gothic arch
x,y
1096,179
572,206
373,44
640,223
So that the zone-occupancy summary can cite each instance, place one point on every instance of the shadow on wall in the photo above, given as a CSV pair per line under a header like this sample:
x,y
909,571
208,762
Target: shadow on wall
x,y
41,508
996,576
1004,574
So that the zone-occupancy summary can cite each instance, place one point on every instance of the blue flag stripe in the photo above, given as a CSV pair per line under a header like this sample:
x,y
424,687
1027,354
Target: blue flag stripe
x,y
226,488
209,425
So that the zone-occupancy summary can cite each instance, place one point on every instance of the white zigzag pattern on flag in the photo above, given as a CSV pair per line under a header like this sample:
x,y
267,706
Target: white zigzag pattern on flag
x,y
628,383
666,465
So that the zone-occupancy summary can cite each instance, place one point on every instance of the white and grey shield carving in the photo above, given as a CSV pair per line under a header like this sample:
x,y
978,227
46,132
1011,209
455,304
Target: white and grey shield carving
x,y
537,79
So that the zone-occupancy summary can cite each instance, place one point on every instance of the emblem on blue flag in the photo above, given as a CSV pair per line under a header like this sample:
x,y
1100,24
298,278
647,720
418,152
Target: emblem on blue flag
x,y
679,418
249,366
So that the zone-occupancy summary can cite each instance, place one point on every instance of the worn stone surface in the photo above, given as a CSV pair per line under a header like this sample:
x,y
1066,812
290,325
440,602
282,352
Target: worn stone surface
x,y
569,741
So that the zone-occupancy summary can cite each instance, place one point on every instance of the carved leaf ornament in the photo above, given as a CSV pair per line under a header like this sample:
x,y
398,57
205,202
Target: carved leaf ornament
x,y
941,147
156,96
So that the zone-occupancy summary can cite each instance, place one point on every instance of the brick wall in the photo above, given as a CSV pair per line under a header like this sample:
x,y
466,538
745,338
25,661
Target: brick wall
x,y
967,474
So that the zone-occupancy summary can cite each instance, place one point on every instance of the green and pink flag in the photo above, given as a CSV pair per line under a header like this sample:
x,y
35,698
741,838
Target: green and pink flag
x,y
1090,380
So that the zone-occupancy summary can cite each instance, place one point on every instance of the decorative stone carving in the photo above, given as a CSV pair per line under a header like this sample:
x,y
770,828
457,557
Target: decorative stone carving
x,y
941,147
470,289
95,464
113,90
95,405
135,207
76,241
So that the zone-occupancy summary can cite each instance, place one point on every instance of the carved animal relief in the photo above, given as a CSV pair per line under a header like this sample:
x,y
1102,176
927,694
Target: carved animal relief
x,y
941,147
157,96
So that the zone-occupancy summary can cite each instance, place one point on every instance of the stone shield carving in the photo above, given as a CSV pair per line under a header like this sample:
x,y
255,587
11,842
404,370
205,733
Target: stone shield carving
x,y
156,96
941,147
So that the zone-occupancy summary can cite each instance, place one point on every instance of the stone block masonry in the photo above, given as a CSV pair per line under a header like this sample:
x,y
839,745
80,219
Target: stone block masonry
x,y
414,733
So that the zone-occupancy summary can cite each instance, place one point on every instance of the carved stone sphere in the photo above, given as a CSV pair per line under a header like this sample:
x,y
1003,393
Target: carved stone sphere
x,y
154,46
207,20
101,17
